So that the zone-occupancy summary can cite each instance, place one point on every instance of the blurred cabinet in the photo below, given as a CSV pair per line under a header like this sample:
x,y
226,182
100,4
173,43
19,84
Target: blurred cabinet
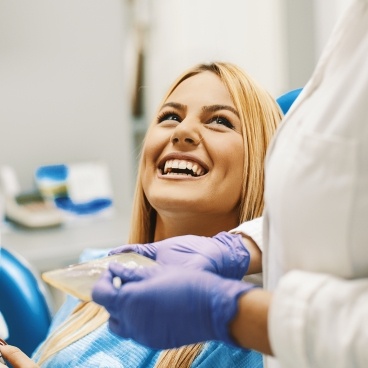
x,y
52,248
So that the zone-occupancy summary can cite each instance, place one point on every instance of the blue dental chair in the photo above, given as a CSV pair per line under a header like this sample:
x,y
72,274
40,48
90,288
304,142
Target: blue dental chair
x,y
24,302
287,99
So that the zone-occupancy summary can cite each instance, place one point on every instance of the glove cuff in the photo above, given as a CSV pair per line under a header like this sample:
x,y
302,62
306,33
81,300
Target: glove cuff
x,y
225,306
237,260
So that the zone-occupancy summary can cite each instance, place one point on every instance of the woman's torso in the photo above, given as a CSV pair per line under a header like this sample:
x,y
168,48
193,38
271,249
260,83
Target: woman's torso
x,y
101,349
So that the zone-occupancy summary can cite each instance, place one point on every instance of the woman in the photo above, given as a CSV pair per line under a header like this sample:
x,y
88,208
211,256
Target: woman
x,y
314,313
201,172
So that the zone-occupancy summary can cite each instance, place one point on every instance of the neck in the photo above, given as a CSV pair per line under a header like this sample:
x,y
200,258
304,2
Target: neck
x,y
202,224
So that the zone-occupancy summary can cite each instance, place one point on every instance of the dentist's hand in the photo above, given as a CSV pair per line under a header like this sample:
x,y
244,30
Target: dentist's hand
x,y
224,254
169,306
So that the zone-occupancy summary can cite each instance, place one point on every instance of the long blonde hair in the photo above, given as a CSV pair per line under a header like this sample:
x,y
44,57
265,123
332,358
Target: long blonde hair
x,y
259,115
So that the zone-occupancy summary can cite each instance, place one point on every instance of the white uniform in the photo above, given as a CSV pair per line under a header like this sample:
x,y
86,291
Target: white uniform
x,y
316,216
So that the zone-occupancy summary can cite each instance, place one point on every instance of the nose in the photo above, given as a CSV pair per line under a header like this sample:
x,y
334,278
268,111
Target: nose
x,y
186,133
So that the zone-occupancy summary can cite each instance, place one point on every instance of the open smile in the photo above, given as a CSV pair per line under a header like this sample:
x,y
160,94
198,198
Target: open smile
x,y
183,167
172,165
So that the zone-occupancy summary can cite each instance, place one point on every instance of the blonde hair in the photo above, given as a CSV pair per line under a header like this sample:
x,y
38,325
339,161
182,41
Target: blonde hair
x,y
259,115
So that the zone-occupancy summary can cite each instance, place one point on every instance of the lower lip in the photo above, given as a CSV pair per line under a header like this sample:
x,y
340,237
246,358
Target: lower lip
x,y
179,177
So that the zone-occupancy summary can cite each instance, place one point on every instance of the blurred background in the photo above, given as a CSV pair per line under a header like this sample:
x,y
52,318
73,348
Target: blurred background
x,y
80,81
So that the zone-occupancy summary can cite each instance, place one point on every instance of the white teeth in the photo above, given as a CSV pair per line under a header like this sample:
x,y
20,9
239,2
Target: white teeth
x,y
182,165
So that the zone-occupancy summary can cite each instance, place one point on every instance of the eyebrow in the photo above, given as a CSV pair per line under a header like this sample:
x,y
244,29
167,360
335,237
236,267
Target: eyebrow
x,y
212,108
176,105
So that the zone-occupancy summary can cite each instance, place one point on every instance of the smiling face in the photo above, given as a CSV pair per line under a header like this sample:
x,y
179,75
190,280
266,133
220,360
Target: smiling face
x,y
193,155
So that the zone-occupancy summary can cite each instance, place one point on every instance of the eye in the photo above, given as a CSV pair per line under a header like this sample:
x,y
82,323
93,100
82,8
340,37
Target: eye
x,y
221,121
168,116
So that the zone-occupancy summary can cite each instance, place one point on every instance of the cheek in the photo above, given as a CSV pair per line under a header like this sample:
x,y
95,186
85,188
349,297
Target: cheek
x,y
231,157
232,160
155,143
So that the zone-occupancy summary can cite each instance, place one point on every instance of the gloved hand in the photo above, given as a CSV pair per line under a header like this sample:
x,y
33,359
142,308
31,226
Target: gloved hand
x,y
224,254
165,306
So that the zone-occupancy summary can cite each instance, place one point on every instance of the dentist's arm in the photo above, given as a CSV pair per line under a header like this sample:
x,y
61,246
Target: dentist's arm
x,y
249,327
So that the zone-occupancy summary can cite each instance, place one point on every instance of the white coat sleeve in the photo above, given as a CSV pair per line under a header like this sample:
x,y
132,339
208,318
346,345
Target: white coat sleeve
x,y
319,320
253,229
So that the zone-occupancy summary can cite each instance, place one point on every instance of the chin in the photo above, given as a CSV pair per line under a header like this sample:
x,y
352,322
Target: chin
x,y
168,203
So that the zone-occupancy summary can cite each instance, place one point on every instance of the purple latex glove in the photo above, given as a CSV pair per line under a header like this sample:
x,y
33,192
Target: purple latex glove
x,y
224,254
168,306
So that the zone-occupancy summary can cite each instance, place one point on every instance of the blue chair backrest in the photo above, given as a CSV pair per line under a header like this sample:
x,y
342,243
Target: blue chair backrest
x,y
23,303
287,99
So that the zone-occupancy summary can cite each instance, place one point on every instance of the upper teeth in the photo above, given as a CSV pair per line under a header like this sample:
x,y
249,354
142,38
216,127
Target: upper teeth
x,y
182,165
